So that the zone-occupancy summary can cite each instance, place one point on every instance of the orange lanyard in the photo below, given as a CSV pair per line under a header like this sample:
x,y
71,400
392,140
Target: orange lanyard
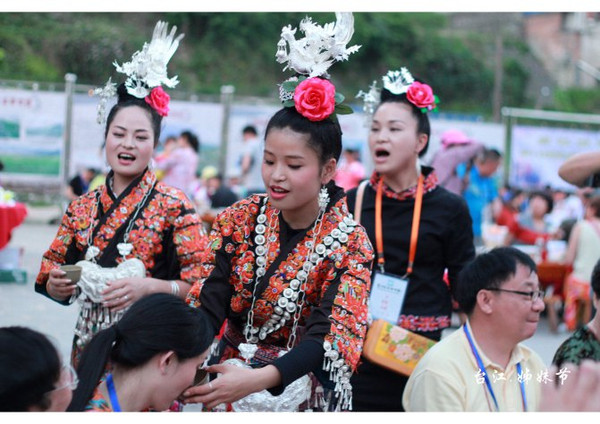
x,y
414,231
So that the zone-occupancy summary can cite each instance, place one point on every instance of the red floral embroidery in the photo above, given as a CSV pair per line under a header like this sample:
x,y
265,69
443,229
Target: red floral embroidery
x,y
245,267
423,323
429,184
147,233
349,312
274,290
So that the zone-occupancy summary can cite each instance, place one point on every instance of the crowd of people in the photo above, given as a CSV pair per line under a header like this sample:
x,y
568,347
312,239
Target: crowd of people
x,y
270,309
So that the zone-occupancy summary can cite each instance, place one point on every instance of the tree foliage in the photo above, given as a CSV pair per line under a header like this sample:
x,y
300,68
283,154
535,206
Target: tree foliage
x,y
577,100
239,49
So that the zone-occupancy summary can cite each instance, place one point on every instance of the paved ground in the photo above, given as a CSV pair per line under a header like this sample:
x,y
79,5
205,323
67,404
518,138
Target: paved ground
x,y
20,305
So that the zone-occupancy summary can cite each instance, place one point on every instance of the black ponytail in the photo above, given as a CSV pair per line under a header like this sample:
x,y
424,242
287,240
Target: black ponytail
x,y
155,324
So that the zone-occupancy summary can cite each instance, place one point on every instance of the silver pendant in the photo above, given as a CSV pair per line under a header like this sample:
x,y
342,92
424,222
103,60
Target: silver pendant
x,y
247,350
91,253
292,397
124,248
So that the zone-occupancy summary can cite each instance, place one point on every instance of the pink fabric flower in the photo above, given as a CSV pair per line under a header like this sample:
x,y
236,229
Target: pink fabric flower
x,y
314,98
421,95
158,99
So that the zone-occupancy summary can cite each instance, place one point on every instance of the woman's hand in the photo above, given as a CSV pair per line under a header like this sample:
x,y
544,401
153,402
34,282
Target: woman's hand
x,y
233,384
59,287
579,392
122,293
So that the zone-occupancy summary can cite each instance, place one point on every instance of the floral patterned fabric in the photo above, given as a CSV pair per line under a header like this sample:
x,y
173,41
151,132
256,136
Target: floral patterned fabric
x,y
337,289
429,183
581,345
98,403
575,291
167,234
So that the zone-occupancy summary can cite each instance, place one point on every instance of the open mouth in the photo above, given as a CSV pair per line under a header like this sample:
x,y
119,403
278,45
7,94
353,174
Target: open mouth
x,y
126,157
381,153
279,190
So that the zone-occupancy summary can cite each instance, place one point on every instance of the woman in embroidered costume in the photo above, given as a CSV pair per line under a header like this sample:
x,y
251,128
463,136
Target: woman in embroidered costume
x,y
134,235
398,137
290,269
156,351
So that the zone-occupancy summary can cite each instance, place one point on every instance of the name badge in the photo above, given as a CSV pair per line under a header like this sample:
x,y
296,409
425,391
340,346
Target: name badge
x,y
387,296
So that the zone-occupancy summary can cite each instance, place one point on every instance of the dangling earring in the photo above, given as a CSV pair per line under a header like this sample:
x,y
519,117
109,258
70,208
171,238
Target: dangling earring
x,y
151,165
323,198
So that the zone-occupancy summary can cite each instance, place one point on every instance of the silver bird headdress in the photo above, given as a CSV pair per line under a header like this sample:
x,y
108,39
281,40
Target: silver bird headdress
x,y
146,72
310,58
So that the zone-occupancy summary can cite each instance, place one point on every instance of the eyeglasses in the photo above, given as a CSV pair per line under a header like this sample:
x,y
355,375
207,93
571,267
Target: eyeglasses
x,y
72,379
532,295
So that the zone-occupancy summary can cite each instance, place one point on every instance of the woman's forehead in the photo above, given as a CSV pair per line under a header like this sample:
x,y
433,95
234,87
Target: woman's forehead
x,y
287,142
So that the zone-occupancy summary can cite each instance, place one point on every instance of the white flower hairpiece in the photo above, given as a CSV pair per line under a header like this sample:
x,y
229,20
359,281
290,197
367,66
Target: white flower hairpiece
x,y
320,47
146,70
397,82
371,99
105,93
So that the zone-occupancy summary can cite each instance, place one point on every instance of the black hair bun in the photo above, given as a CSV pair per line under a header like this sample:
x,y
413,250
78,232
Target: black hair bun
x,y
387,95
123,95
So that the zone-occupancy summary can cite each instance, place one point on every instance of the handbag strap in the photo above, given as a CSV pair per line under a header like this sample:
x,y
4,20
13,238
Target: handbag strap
x,y
360,192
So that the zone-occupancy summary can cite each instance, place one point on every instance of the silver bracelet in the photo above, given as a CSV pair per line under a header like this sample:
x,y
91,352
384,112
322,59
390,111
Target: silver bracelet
x,y
174,288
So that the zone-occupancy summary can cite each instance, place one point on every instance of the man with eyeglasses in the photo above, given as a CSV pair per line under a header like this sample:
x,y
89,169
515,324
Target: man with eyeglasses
x,y
483,366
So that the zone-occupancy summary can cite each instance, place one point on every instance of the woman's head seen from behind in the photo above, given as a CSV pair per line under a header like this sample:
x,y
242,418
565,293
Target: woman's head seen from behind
x,y
32,377
592,209
160,337
189,139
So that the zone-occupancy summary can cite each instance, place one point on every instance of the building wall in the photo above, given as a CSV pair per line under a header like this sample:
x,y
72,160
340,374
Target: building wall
x,y
561,41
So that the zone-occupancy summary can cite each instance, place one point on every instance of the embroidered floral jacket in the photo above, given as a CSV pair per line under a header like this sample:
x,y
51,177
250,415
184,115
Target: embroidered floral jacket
x,y
167,234
337,289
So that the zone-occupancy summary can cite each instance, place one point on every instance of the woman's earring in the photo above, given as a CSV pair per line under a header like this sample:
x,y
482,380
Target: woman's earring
x,y
323,198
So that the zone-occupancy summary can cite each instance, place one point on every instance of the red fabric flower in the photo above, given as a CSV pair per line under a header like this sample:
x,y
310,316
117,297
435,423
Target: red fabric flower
x,y
314,98
421,95
158,99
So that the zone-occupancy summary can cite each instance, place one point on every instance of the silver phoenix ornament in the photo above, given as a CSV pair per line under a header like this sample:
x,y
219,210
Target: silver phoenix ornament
x,y
320,48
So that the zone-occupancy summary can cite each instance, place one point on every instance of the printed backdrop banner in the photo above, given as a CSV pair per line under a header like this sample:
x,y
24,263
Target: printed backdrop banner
x,y
354,131
538,152
32,127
